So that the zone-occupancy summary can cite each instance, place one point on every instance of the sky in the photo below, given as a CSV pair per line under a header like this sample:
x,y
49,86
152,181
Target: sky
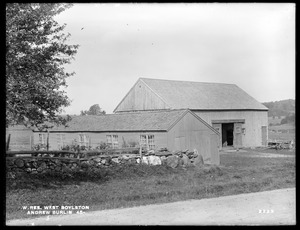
x,y
251,45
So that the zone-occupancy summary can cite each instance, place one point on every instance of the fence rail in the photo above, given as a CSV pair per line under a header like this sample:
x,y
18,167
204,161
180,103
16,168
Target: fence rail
x,y
85,153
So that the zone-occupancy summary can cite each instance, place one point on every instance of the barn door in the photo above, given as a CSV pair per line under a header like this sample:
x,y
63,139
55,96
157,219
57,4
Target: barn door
x,y
264,135
218,127
237,136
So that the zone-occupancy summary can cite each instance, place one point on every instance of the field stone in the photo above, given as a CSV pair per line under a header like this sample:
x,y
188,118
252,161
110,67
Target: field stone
x,y
145,160
132,160
97,159
198,161
172,161
163,160
154,160
27,164
185,160
57,168
34,164
42,167
84,164
116,160
19,163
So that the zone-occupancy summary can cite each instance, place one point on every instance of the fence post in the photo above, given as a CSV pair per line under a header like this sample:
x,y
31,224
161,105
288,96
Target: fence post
x,y
7,143
141,155
47,140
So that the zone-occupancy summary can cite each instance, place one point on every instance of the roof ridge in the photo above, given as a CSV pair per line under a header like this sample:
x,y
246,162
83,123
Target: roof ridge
x,y
187,81
135,112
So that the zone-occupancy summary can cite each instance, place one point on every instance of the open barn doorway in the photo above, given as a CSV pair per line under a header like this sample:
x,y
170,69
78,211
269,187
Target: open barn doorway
x,y
227,134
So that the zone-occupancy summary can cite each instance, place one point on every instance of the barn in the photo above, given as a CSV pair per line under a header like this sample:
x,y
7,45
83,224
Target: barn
x,y
172,129
240,119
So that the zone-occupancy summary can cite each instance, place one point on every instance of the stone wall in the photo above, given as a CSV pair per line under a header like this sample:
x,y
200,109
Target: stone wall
x,y
48,162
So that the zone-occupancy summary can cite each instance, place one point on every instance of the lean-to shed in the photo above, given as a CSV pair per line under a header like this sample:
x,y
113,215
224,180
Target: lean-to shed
x,y
171,129
241,120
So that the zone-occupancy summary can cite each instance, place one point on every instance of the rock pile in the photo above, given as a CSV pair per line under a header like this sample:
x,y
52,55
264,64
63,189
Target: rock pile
x,y
45,164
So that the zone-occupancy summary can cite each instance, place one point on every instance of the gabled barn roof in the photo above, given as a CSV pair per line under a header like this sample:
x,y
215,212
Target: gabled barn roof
x,y
161,120
202,96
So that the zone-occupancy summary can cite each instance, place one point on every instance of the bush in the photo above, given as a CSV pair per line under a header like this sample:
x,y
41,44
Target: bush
x,y
38,147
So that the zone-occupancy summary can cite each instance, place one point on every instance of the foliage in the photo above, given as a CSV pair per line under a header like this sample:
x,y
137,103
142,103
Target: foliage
x,y
103,145
280,108
94,110
39,147
36,52
76,147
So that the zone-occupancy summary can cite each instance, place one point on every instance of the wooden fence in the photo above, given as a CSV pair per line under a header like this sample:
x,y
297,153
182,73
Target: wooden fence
x,y
72,154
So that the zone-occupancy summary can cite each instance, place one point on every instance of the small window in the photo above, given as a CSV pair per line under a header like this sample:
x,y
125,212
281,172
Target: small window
x,y
143,141
151,142
82,140
61,140
42,138
112,141
147,141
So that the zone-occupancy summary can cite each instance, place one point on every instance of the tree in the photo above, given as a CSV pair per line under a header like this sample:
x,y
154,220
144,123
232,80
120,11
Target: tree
x,y
94,110
36,52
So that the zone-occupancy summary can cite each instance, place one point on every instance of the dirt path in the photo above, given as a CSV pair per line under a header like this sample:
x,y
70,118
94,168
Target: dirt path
x,y
275,207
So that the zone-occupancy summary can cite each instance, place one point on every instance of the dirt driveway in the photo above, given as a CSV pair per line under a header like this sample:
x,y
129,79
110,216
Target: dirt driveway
x,y
275,207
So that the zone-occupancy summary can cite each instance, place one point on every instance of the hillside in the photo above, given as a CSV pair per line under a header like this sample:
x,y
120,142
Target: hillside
x,y
280,108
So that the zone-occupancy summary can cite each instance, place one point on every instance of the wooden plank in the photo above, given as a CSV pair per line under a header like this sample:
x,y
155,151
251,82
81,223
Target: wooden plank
x,y
228,121
8,140
50,158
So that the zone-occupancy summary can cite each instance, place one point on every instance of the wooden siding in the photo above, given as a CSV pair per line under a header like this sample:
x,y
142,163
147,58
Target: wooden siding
x,y
20,138
190,133
95,138
254,120
140,97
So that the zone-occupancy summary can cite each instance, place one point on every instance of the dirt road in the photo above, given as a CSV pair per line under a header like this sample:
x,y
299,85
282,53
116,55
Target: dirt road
x,y
277,207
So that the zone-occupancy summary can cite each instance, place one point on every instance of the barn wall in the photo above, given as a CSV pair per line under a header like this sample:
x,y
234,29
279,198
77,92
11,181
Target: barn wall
x,y
140,97
254,120
190,133
95,139
20,138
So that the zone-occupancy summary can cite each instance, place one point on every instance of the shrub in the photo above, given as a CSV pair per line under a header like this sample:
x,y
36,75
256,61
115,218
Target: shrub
x,y
39,146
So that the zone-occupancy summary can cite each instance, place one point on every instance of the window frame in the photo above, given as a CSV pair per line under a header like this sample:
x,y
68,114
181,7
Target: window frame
x,y
84,142
61,140
112,140
148,141
42,138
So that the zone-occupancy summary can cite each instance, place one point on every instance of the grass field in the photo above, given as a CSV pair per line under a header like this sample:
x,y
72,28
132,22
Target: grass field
x,y
285,132
135,185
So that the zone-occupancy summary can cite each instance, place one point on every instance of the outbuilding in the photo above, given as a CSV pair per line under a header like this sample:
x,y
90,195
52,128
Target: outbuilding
x,y
171,129
240,119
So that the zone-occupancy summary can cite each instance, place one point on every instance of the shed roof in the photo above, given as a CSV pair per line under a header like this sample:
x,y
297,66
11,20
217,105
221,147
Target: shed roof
x,y
138,121
202,96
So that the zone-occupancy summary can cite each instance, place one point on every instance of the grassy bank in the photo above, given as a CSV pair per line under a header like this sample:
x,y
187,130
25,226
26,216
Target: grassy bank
x,y
133,185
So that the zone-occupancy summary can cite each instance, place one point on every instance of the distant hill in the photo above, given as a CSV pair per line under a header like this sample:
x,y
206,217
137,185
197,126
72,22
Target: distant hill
x,y
280,108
